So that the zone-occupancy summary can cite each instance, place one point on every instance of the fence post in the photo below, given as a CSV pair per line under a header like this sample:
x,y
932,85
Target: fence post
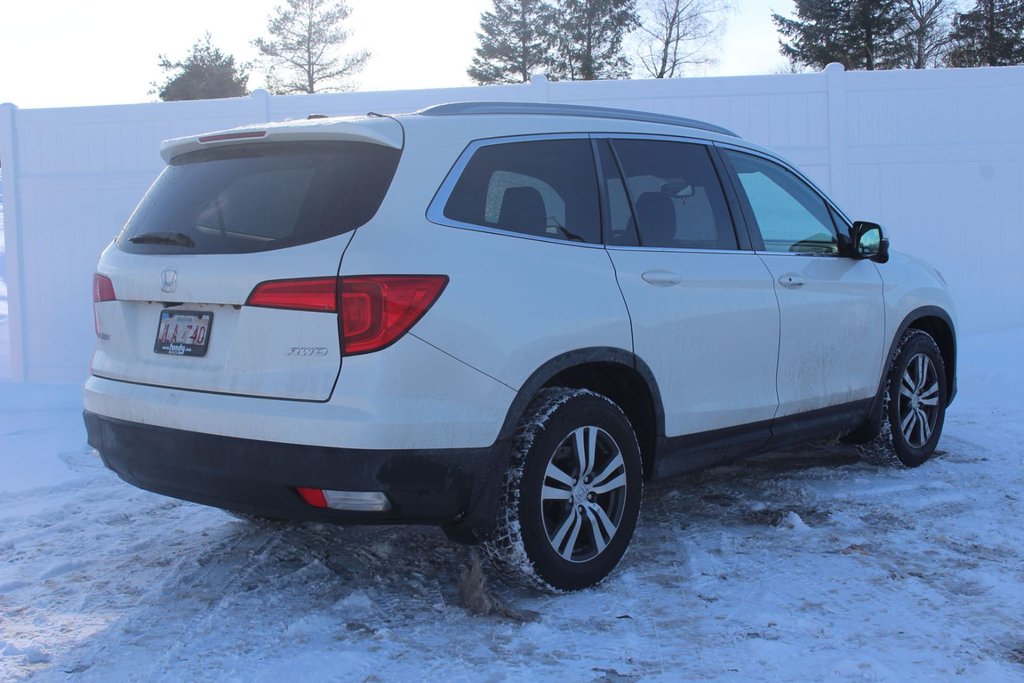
x,y
539,87
12,229
838,145
262,100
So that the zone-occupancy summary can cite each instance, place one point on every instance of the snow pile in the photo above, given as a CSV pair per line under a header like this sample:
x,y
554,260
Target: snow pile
x,y
792,520
804,565
32,654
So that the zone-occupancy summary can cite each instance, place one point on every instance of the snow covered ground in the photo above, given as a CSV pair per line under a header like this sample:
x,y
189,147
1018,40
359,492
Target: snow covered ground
x,y
5,344
806,565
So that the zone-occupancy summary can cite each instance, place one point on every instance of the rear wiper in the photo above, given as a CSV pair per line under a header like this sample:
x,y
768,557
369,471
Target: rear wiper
x,y
178,239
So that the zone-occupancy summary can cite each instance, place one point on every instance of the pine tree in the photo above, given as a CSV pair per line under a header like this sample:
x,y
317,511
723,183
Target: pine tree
x,y
585,39
859,34
990,34
815,35
205,74
511,45
304,42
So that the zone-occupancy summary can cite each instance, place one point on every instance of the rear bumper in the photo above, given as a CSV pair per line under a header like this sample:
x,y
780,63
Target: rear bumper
x,y
457,488
408,396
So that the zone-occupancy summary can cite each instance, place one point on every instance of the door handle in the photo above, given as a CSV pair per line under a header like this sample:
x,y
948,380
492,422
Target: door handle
x,y
661,278
792,280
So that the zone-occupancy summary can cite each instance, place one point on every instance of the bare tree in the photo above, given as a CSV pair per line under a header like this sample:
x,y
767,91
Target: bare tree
x,y
927,33
789,68
676,34
304,42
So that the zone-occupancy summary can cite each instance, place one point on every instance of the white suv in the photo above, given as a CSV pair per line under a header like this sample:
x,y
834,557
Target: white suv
x,y
499,318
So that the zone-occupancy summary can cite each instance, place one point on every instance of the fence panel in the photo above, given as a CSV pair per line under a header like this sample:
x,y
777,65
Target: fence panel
x,y
937,156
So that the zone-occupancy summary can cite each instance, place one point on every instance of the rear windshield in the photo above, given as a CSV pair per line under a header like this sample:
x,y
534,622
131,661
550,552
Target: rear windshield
x,y
259,197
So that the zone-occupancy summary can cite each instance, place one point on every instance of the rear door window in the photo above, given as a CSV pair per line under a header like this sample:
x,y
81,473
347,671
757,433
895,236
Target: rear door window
x,y
676,196
540,188
258,197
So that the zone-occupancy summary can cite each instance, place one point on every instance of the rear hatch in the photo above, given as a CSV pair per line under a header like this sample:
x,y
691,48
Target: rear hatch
x,y
232,211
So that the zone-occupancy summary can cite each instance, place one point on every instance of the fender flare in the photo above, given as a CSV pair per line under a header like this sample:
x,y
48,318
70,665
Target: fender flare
x,y
478,523
908,321
571,359
874,420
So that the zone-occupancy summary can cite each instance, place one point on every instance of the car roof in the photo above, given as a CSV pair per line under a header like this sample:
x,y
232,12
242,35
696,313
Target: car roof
x,y
574,110
390,130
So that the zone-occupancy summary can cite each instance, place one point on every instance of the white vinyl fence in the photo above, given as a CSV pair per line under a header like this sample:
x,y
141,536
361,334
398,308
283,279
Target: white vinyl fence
x,y
936,156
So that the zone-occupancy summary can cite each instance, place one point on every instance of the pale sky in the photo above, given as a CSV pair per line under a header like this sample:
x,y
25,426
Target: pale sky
x,y
60,53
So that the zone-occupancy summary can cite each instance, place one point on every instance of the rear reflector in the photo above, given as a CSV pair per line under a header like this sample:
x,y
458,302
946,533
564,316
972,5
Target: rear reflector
x,y
376,310
314,497
314,294
355,501
102,289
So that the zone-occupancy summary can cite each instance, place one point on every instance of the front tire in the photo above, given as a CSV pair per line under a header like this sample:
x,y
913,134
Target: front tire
x,y
572,494
914,406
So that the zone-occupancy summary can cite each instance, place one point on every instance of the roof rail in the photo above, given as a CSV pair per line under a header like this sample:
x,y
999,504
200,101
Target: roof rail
x,y
551,109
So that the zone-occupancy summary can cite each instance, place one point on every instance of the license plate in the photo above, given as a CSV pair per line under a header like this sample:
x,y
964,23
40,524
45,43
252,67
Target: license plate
x,y
183,333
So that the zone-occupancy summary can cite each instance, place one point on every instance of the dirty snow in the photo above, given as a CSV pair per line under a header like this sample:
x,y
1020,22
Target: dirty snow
x,y
806,565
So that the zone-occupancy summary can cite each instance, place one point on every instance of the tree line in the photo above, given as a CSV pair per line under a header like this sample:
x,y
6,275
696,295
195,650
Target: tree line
x,y
583,40
303,51
568,39
912,34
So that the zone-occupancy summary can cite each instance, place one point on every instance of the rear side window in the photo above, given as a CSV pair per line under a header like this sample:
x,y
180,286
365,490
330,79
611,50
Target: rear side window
x,y
543,188
258,197
676,195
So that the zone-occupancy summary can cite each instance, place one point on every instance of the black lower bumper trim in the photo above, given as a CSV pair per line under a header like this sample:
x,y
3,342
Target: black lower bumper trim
x,y
457,488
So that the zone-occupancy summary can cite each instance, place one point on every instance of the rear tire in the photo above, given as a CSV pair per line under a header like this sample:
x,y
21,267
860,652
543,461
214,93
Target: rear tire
x,y
914,404
572,493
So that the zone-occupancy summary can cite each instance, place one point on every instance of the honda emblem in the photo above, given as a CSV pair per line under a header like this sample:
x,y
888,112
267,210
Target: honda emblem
x,y
168,280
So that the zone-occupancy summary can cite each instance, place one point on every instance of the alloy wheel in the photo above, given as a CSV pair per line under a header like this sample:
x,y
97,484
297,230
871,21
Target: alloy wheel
x,y
918,400
584,494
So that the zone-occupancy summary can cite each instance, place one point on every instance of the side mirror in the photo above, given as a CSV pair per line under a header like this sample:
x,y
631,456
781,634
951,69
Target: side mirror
x,y
868,242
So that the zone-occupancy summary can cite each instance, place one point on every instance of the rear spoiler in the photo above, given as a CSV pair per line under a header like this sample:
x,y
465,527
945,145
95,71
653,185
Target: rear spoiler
x,y
376,130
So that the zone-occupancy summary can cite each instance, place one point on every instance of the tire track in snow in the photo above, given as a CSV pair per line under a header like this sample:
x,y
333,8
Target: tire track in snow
x,y
716,585
196,585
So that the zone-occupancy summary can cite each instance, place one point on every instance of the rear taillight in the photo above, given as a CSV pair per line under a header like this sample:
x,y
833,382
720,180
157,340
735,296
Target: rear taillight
x,y
314,294
102,290
378,309
375,310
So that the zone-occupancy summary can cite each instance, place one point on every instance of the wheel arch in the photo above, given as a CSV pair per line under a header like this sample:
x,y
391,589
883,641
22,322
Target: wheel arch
x,y
616,373
937,323
878,448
